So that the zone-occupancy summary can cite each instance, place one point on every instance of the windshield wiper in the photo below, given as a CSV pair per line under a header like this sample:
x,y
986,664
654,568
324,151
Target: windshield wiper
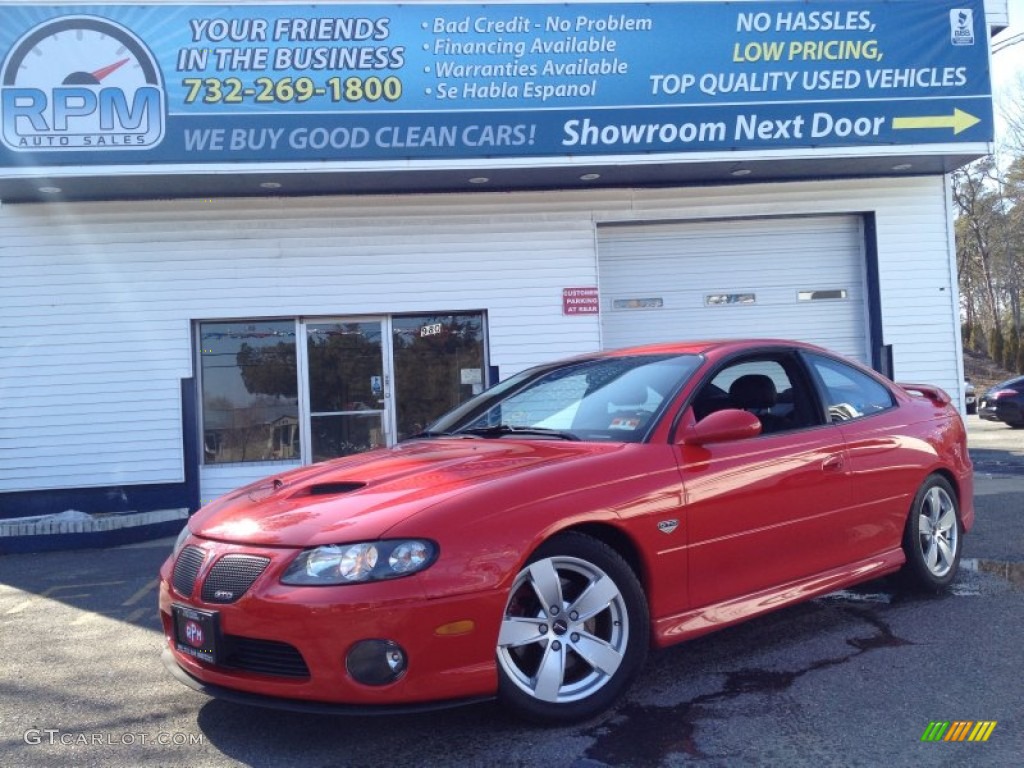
x,y
429,433
501,430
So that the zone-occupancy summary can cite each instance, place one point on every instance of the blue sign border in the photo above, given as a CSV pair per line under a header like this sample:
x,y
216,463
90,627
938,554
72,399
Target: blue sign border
x,y
289,83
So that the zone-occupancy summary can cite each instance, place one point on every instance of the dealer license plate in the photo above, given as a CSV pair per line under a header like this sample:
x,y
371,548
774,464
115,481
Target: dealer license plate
x,y
196,632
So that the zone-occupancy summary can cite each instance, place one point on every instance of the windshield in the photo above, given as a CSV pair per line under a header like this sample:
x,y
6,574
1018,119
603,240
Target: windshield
x,y
610,398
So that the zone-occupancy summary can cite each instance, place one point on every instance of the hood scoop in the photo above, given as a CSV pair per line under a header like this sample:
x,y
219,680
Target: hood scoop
x,y
333,489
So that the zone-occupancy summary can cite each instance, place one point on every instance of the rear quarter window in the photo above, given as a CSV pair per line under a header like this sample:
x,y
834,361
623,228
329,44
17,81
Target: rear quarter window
x,y
849,393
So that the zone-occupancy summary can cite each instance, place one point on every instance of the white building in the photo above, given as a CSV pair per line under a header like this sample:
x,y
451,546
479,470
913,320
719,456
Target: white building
x,y
176,327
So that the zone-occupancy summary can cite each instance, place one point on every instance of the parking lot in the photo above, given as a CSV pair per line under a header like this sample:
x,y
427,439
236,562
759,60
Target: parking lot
x,y
854,678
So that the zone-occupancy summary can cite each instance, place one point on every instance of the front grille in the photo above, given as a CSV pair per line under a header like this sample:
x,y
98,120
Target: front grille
x,y
266,657
186,568
231,576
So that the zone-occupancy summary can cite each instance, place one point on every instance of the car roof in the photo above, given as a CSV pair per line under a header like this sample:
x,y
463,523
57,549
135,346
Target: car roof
x,y
1008,382
700,347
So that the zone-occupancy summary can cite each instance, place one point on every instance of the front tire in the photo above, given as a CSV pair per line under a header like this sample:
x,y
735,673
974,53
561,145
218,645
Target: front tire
x,y
575,632
932,539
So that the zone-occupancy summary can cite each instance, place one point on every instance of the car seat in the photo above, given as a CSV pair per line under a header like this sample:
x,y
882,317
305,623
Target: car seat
x,y
755,393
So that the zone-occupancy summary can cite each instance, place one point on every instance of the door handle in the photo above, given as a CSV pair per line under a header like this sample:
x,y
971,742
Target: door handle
x,y
833,463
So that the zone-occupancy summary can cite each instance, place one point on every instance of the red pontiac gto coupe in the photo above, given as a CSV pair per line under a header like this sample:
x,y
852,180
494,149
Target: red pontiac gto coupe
x,y
538,539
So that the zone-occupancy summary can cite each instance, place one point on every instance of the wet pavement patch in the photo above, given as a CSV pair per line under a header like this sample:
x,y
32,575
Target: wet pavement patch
x,y
759,681
647,734
644,734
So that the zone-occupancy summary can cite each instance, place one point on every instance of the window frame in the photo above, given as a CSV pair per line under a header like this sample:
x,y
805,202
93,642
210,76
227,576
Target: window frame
x,y
201,411
303,456
825,395
795,368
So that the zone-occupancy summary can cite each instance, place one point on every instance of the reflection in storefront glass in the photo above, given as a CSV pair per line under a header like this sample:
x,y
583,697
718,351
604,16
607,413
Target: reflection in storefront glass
x,y
343,435
346,387
249,391
439,363
345,366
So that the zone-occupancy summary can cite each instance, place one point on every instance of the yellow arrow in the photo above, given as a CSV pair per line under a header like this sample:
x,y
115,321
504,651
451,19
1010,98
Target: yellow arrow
x,y
958,121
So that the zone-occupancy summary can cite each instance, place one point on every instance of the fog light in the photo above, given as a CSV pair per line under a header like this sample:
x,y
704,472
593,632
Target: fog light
x,y
376,662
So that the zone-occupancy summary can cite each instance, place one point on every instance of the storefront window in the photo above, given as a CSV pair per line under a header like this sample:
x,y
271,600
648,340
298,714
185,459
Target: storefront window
x,y
249,390
439,363
356,395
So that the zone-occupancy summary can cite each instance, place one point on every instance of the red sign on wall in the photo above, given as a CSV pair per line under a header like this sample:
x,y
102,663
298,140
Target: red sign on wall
x,y
580,301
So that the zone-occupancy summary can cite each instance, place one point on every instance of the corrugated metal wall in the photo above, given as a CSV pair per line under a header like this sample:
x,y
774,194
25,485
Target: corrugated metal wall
x,y
916,254
97,299
762,262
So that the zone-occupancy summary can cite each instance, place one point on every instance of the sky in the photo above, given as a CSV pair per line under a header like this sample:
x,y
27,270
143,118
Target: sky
x,y
1008,63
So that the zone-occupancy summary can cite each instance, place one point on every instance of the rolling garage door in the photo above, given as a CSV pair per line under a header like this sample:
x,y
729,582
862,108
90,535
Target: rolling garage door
x,y
792,278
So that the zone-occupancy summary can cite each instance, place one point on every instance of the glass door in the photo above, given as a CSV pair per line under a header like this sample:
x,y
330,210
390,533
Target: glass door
x,y
347,393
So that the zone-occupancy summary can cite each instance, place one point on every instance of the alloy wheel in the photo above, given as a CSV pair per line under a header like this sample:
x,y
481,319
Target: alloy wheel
x,y
938,531
565,631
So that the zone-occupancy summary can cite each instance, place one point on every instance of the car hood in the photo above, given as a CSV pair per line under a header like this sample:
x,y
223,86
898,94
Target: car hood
x,y
361,497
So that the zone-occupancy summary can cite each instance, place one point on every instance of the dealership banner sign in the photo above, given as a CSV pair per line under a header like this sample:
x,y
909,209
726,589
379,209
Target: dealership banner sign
x,y
173,84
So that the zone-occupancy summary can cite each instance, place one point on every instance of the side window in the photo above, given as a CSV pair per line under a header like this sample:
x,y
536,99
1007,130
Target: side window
x,y
250,403
763,387
850,393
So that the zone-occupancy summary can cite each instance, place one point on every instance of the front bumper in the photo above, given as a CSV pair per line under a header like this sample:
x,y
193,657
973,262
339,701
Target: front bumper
x,y
449,641
297,705
987,411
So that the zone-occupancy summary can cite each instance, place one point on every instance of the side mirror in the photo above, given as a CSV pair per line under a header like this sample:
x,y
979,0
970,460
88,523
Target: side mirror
x,y
722,426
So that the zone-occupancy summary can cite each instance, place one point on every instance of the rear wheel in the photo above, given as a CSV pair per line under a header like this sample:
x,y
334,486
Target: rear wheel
x,y
574,634
931,540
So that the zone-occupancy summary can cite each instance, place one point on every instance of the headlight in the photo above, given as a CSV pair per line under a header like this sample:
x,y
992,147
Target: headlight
x,y
180,541
361,562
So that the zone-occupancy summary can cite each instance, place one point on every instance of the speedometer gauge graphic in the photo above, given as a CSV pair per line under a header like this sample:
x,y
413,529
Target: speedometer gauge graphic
x,y
81,82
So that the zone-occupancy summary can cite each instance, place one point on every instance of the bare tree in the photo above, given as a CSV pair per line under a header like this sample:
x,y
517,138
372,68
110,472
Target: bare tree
x,y
1010,106
978,241
989,197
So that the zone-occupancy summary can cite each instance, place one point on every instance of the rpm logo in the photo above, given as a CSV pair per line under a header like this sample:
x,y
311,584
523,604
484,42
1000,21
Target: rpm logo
x,y
80,83
194,634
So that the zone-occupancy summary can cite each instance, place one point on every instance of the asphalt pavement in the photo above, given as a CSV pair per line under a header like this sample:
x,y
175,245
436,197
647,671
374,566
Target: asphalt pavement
x,y
997,452
851,679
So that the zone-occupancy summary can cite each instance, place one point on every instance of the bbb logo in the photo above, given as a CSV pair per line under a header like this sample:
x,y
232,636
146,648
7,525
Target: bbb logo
x,y
80,83
961,23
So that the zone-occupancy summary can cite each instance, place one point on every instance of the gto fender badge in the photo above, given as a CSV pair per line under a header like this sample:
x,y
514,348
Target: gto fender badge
x,y
223,594
667,526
